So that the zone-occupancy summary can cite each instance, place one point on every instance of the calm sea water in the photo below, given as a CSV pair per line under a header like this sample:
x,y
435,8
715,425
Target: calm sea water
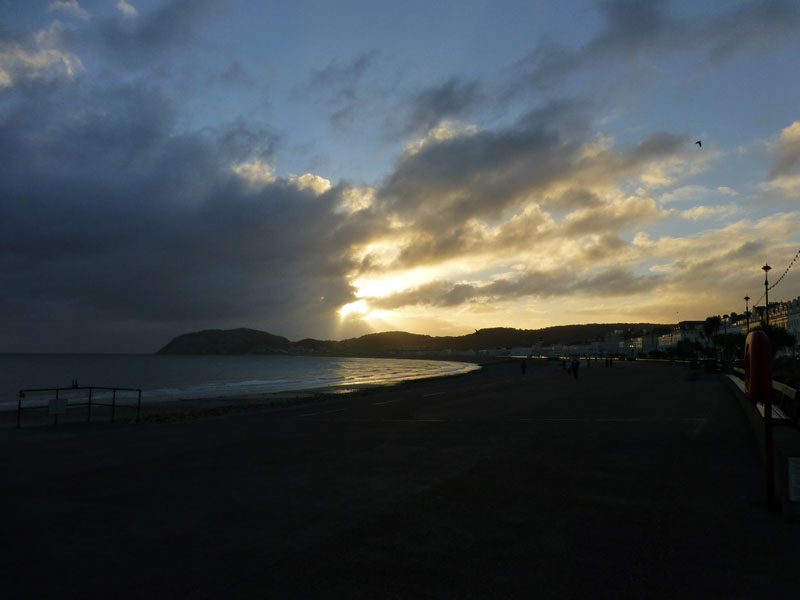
x,y
162,377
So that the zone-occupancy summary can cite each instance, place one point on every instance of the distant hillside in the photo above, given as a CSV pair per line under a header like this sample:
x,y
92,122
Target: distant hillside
x,y
251,341
231,341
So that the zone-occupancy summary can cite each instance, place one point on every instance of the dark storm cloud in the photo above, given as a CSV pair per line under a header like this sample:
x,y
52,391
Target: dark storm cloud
x,y
107,217
633,28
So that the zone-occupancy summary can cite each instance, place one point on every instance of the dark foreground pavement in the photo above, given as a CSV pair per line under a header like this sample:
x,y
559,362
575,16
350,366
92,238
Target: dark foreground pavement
x,y
637,481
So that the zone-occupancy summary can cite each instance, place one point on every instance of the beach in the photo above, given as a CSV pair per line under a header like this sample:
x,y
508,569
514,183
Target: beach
x,y
628,481
175,387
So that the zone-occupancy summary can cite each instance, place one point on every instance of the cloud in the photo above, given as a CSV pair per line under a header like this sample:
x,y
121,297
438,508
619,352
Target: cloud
x,y
127,9
787,186
114,220
136,42
318,184
257,173
448,100
607,282
694,193
632,29
339,87
443,131
70,7
787,152
445,191
39,58
234,74
752,25
704,212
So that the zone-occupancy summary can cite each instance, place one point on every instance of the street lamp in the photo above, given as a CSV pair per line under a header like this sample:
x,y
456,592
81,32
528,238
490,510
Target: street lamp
x,y
766,268
747,311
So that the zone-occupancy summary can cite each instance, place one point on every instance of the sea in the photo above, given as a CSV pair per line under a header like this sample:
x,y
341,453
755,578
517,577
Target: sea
x,y
178,377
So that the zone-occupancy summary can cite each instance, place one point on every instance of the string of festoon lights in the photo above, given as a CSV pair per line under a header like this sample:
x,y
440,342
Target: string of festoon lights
x,y
785,272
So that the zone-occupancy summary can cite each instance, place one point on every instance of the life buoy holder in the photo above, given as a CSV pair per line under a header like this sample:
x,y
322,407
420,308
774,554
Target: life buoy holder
x,y
758,367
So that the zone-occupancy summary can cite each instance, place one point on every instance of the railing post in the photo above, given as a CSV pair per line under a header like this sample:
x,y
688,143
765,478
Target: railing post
x,y
19,407
89,411
55,414
139,407
113,403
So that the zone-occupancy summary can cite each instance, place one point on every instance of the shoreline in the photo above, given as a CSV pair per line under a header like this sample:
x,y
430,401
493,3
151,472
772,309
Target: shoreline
x,y
186,409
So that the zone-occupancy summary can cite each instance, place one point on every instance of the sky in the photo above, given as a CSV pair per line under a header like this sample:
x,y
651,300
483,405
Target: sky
x,y
329,169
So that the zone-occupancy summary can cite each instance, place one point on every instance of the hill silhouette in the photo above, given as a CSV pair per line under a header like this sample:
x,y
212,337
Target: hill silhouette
x,y
252,341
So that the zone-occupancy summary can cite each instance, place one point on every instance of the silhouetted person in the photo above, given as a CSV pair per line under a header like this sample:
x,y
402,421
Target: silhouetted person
x,y
575,364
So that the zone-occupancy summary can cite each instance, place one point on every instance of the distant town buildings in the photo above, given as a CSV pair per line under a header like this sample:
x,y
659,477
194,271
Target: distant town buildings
x,y
658,341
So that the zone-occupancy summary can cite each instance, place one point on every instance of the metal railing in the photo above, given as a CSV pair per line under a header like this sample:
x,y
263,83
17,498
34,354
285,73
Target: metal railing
x,y
786,404
57,400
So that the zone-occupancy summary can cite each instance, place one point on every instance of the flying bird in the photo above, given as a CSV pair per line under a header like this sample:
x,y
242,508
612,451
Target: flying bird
x,y
699,143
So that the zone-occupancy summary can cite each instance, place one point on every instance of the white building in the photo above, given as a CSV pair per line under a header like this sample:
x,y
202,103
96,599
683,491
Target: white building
x,y
685,331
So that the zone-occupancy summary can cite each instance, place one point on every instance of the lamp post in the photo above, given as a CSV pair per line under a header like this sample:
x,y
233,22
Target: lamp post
x,y
766,268
747,311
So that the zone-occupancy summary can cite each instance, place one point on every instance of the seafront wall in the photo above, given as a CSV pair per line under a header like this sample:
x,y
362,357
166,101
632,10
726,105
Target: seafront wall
x,y
786,446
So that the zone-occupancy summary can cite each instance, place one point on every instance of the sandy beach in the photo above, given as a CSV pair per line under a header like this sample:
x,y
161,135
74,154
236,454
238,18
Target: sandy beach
x,y
126,411
640,480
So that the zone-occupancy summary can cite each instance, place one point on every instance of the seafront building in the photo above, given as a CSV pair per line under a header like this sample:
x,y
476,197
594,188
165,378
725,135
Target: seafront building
x,y
685,331
793,318
781,314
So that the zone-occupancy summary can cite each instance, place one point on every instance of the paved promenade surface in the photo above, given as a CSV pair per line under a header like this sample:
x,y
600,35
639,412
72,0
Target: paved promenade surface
x,y
637,481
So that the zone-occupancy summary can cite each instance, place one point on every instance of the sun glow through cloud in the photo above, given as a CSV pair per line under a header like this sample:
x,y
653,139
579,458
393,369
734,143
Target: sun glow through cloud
x,y
358,308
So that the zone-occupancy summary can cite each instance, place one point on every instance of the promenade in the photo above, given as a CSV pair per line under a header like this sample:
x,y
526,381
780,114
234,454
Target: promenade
x,y
636,481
